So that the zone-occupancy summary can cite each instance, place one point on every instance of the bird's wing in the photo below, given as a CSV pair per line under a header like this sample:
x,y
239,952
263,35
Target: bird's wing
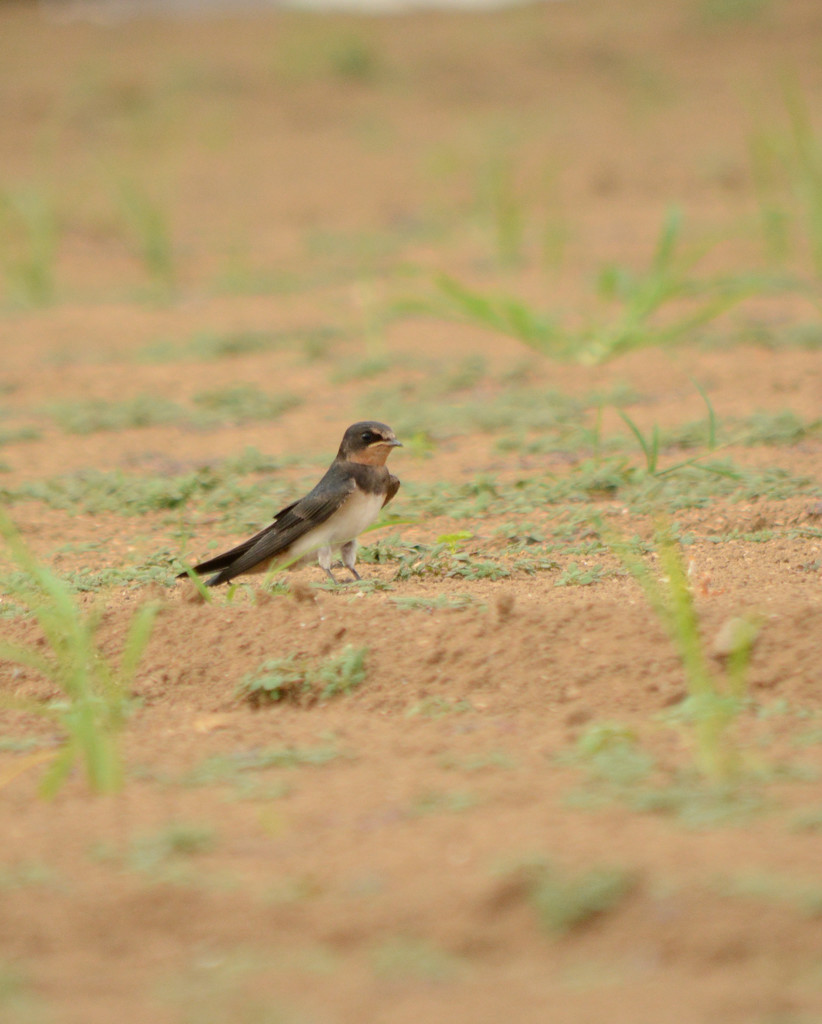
x,y
391,490
290,524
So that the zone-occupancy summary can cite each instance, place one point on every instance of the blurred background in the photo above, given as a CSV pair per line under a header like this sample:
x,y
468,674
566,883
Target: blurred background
x,y
161,150
572,253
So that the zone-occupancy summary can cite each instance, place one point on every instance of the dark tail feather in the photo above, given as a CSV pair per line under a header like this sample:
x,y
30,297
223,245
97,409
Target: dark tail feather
x,y
224,560
220,577
215,564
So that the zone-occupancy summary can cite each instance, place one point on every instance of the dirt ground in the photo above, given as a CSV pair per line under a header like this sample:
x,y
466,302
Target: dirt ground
x,y
399,852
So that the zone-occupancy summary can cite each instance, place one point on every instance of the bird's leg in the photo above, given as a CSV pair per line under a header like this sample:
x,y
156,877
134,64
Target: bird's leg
x,y
349,558
324,558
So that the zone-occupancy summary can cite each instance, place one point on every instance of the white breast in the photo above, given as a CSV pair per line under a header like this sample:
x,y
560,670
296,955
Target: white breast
x,y
356,514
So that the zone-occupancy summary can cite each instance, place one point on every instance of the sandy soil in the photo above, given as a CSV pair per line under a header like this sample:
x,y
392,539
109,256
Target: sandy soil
x,y
383,855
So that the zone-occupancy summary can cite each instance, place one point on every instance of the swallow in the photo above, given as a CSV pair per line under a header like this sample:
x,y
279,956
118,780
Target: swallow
x,y
356,486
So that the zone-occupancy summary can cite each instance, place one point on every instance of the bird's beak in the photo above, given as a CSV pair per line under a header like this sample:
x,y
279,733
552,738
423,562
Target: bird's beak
x,y
395,443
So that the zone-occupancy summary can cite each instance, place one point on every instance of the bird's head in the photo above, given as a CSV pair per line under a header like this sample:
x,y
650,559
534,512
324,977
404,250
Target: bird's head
x,y
368,442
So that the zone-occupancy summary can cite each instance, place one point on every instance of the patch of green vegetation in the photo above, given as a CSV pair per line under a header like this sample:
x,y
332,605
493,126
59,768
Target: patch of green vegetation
x,y
355,60
650,446
93,492
240,503
618,770
276,679
92,415
349,56
787,170
575,575
29,234
501,207
236,404
18,1002
477,762
438,602
242,403
340,675
803,895
659,306
156,569
95,690
295,679
691,486
777,428
468,374
437,707
238,768
225,985
732,12
712,705
149,228
29,873
208,345
361,369
163,854
567,900
17,744
520,536
442,560
443,802
809,820
521,415
405,958
12,435
807,336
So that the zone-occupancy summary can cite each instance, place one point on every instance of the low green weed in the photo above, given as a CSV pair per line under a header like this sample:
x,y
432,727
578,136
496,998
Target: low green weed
x,y
30,873
617,769
443,802
164,854
29,233
567,900
94,415
437,707
477,762
787,167
504,211
803,896
656,307
292,678
711,707
437,602
245,771
413,959
575,575
149,228
442,560
94,690
19,1002
732,12
12,435
242,403
209,345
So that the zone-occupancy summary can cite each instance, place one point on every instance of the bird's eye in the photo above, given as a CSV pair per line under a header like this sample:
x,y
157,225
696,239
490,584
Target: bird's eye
x,y
367,437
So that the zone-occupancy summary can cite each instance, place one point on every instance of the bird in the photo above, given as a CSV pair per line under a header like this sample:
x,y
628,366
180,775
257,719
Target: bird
x,y
348,499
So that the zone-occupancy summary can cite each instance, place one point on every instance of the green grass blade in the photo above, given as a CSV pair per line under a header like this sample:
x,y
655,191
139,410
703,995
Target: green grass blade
x,y
139,634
